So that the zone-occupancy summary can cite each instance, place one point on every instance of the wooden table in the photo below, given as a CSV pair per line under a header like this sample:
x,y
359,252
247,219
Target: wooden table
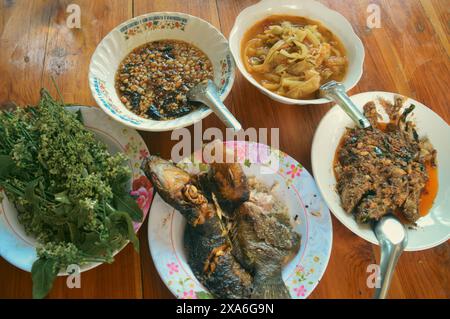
x,y
409,54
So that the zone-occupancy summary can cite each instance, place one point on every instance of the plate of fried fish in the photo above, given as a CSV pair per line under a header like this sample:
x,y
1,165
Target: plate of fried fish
x,y
237,220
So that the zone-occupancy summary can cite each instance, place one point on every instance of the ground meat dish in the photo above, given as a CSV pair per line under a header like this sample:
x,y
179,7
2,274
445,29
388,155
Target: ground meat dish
x,y
153,80
383,169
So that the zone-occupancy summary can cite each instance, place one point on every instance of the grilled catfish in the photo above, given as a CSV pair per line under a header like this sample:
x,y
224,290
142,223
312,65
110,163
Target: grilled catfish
x,y
206,241
238,236
264,241
210,258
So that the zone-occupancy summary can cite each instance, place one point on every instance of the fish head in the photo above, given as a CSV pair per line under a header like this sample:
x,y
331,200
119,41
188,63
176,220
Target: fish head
x,y
168,180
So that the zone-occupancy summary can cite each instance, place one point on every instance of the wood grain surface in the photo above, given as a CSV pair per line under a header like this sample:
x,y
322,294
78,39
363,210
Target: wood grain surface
x,y
409,54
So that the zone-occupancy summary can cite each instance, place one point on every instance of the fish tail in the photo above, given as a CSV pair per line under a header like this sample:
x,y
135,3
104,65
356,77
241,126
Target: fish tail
x,y
271,287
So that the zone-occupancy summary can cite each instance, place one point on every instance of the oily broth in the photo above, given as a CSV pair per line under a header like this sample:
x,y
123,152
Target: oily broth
x,y
264,24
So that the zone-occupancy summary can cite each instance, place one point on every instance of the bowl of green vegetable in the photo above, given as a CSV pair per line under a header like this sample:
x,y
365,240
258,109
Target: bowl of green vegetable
x,y
72,190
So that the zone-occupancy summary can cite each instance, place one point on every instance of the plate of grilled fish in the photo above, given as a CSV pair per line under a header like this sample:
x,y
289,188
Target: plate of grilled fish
x,y
237,220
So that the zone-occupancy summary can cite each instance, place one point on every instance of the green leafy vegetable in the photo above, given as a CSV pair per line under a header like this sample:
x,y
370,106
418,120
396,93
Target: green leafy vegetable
x,y
6,164
71,194
128,204
43,273
123,223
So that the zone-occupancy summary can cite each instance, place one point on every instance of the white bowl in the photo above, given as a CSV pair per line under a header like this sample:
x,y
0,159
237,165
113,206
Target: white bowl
x,y
314,10
432,229
118,43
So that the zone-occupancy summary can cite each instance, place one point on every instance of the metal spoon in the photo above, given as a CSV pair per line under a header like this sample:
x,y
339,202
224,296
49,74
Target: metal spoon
x,y
335,91
393,238
207,93
390,232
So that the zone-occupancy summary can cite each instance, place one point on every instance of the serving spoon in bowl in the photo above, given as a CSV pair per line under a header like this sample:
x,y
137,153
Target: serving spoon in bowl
x,y
207,93
393,238
390,232
335,91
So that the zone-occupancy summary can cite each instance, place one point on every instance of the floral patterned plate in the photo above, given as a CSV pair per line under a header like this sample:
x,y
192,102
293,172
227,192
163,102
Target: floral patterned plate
x,y
296,187
153,26
19,249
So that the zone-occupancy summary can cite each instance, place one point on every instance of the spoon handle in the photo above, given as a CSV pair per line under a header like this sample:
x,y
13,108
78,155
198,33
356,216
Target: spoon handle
x,y
389,256
212,100
336,91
